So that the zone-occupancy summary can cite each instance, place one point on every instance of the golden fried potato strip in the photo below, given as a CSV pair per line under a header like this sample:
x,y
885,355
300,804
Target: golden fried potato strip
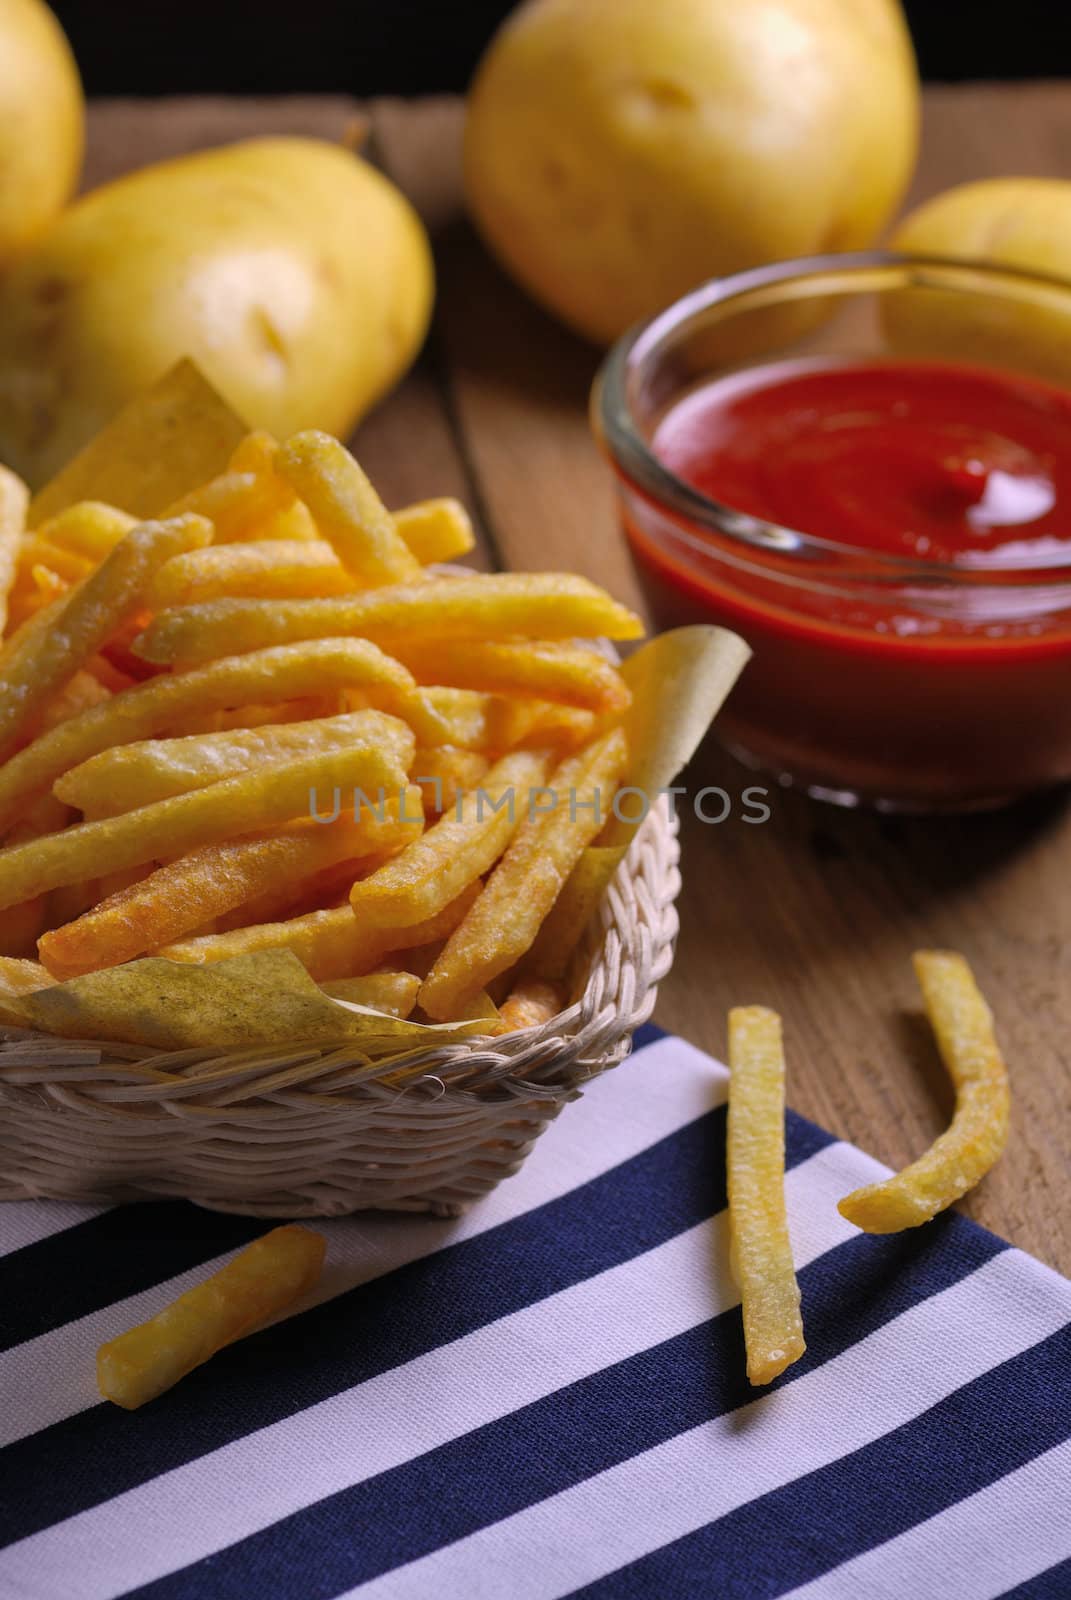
x,y
329,944
261,1281
346,509
546,669
459,848
162,704
91,528
444,772
520,892
237,504
126,777
541,605
574,908
204,816
436,530
392,992
761,1250
978,1132
263,569
531,1003
186,893
92,613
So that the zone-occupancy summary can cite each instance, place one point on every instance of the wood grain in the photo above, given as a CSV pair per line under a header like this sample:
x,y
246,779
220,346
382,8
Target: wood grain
x,y
817,910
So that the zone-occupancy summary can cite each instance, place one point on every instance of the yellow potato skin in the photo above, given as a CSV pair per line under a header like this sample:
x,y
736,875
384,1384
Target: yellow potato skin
x,y
618,153
42,122
295,275
1017,222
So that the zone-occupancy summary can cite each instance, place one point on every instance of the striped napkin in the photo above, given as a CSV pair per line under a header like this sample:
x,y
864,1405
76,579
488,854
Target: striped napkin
x,y
546,1397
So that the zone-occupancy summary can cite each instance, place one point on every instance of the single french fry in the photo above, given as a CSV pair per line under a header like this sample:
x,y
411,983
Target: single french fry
x,y
978,1132
179,897
573,910
506,918
236,503
161,705
457,850
445,772
346,509
237,719
264,569
546,669
761,1249
531,1003
172,827
265,1278
436,530
128,776
90,528
90,616
254,453
37,549
329,944
392,992
541,605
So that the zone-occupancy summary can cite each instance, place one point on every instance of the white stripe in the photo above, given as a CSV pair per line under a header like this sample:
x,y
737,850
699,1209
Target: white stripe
x,y
248,1485
25,1222
617,1517
653,1094
978,1549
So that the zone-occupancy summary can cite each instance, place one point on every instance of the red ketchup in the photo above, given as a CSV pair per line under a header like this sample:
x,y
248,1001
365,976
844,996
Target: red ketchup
x,y
873,676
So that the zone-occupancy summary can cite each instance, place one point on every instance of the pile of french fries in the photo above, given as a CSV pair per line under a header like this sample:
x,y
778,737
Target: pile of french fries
x,y
259,722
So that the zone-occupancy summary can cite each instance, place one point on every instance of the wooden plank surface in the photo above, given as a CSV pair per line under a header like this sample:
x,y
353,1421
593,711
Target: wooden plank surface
x,y
817,911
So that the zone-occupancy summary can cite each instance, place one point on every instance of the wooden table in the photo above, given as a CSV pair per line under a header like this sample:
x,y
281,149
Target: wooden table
x,y
816,912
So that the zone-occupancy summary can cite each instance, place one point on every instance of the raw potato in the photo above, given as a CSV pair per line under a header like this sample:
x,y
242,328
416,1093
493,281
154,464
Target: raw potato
x,y
1017,222
41,122
296,275
619,152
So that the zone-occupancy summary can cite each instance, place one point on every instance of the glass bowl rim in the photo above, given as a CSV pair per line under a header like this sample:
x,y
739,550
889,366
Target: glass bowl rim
x,y
615,426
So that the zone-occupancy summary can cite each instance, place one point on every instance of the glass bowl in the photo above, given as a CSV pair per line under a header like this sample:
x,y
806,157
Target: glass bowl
x,y
878,679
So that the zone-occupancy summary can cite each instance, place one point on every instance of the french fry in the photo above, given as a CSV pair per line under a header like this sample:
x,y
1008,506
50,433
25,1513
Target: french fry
x,y
236,504
755,1159
392,992
238,719
346,509
547,670
444,772
329,944
172,827
36,549
263,569
457,850
263,1280
125,777
436,530
571,913
90,528
540,605
14,501
161,705
179,897
978,1132
254,453
89,617
530,1003
520,892
22,926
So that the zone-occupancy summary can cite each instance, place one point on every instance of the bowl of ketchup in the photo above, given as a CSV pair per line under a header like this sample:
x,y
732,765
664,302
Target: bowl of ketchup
x,y
886,518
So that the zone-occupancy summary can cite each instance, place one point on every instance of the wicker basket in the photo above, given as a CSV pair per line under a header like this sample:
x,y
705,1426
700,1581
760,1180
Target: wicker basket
x,y
316,1131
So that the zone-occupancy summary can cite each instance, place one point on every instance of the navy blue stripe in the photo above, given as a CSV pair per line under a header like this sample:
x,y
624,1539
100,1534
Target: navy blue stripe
x,y
578,1431
1053,1584
793,1535
107,1258
123,1252
671,1186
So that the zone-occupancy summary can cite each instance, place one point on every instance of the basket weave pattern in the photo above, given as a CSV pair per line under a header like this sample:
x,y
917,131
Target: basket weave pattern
x,y
321,1131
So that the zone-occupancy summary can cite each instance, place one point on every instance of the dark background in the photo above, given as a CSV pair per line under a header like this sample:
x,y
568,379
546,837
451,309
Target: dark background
x,y
420,46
